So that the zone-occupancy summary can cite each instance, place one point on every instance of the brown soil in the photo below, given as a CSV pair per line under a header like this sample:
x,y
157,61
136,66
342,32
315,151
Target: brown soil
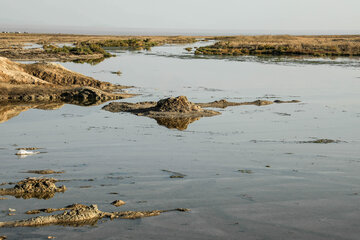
x,y
80,215
168,112
51,210
60,76
178,113
224,104
48,86
41,188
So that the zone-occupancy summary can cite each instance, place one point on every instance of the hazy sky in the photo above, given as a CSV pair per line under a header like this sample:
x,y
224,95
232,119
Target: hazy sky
x,y
243,15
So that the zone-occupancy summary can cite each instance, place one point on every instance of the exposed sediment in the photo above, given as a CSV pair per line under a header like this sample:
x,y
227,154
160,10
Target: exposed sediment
x,y
49,86
80,215
45,171
178,112
224,103
41,188
41,82
171,112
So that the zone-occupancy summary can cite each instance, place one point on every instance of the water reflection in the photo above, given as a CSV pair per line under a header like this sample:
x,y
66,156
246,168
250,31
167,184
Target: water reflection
x,y
176,123
9,110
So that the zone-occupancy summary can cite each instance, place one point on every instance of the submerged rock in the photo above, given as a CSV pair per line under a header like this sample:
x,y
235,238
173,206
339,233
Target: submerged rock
x,y
42,188
80,215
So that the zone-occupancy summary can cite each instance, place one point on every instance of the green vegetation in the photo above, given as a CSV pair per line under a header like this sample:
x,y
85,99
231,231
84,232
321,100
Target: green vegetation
x,y
136,44
83,48
317,46
89,48
189,49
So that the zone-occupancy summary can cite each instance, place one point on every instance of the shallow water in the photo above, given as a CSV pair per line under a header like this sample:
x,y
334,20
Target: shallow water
x,y
294,191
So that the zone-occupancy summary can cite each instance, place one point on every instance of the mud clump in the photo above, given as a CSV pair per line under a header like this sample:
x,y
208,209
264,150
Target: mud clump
x,y
174,107
179,104
322,141
178,112
174,174
224,103
174,112
118,203
41,188
46,171
51,210
81,215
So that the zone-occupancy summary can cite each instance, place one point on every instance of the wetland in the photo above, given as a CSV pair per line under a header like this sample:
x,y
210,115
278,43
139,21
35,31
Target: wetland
x,y
259,147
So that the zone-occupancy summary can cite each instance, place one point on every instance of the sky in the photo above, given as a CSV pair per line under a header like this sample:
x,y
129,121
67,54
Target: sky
x,y
186,16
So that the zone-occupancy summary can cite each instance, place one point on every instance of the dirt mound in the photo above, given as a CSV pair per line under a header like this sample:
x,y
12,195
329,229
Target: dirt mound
x,y
175,113
14,73
80,215
49,82
58,75
42,188
177,104
178,112
178,107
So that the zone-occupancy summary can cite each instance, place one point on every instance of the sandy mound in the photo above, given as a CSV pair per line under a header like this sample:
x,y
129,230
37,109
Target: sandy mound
x,y
14,73
58,75
49,82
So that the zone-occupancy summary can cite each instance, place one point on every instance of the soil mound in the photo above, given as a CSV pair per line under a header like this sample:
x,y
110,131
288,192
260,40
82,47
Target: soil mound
x,y
178,107
14,73
177,104
42,188
174,112
56,74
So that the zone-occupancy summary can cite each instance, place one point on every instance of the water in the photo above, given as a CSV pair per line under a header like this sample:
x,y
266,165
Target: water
x,y
294,190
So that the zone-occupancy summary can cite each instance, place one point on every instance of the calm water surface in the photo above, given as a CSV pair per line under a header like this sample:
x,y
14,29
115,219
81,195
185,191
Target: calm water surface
x,y
294,191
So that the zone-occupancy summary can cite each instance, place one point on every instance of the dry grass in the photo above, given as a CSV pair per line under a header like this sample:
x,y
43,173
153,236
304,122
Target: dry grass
x,y
335,45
